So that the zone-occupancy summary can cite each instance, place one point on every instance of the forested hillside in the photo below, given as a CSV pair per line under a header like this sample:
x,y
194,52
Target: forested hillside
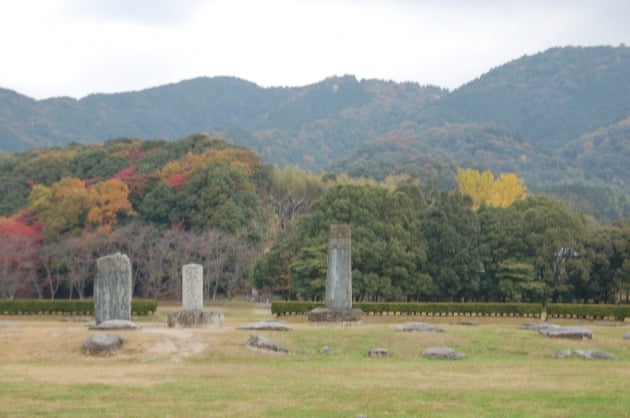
x,y
548,98
556,118
308,126
253,224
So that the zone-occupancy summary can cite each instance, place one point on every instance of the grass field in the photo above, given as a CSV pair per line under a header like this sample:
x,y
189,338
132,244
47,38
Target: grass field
x,y
208,372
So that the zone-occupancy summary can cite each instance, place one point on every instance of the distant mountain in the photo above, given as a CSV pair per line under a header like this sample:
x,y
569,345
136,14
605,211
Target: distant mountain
x,y
309,125
548,98
558,117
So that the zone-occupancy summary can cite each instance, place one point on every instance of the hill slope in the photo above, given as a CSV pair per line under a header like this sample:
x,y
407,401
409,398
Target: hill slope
x,y
307,125
548,98
557,117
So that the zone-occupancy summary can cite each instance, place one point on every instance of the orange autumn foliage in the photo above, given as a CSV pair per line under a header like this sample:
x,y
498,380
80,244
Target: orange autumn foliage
x,y
109,199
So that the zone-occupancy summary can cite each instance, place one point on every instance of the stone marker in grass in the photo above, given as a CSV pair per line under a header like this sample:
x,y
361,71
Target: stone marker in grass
x,y
265,345
339,280
378,353
112,288
102,345
586,354
192,313
442,353
417,327
559,331
192,287
575,333
267,326
111,324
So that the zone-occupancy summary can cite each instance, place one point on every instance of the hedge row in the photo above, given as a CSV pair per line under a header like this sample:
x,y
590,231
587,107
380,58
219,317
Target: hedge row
x,y
67,307
554,310
427,308
567,310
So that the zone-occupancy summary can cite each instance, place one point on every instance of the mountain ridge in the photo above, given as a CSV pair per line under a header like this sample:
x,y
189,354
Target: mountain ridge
x,y
533,116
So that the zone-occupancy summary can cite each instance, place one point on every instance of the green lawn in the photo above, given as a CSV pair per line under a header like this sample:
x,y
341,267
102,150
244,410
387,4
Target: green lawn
x,y
161,372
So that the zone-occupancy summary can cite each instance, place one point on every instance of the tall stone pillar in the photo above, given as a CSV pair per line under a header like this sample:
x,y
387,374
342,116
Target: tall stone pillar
x,y
192,313
192,287
112,288
339,279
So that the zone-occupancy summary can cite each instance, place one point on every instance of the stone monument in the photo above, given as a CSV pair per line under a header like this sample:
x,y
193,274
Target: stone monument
x,y
192,287
112,288
339,279
192,313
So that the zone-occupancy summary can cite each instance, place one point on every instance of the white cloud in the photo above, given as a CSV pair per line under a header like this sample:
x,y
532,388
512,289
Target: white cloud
x,y
76,47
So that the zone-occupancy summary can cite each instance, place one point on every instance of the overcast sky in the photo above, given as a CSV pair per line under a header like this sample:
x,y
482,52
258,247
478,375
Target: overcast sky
x,y
76,47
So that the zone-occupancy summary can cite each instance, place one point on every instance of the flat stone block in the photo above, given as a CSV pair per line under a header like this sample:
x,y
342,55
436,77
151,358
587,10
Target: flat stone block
x,y
267,326
265,345
335,315
418,327
442,353
195,319
575,333
102,345
120,324
594,355
378,353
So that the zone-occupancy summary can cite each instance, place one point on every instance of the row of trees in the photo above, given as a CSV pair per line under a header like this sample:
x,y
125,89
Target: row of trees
x,y
202,200
67,267
408,245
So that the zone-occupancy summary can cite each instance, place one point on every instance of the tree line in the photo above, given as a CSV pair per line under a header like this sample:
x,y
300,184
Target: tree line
x,y
251,224
414,244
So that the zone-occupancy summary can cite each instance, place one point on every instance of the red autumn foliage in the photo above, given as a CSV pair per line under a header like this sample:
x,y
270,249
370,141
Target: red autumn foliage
x,y
125,173
22,225
177,181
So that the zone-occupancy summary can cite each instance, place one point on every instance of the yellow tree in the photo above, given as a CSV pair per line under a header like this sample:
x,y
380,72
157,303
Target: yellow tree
x,y
110,198
506,189
483,188
475,184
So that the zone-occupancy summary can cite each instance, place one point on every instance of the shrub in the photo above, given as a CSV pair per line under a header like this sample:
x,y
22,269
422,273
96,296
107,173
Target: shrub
x,y
64,306
415,308
568,310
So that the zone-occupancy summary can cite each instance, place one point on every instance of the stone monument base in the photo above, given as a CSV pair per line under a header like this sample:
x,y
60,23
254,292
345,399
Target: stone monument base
x,y
114,324
195,319
335,315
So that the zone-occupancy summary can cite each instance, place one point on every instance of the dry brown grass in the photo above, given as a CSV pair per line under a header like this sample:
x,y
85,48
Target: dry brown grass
x,y
206,372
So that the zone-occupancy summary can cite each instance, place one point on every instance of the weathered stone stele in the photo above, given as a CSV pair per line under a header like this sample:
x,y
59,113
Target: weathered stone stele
x,y
339,279
192,313
197,318
192,287
112,288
